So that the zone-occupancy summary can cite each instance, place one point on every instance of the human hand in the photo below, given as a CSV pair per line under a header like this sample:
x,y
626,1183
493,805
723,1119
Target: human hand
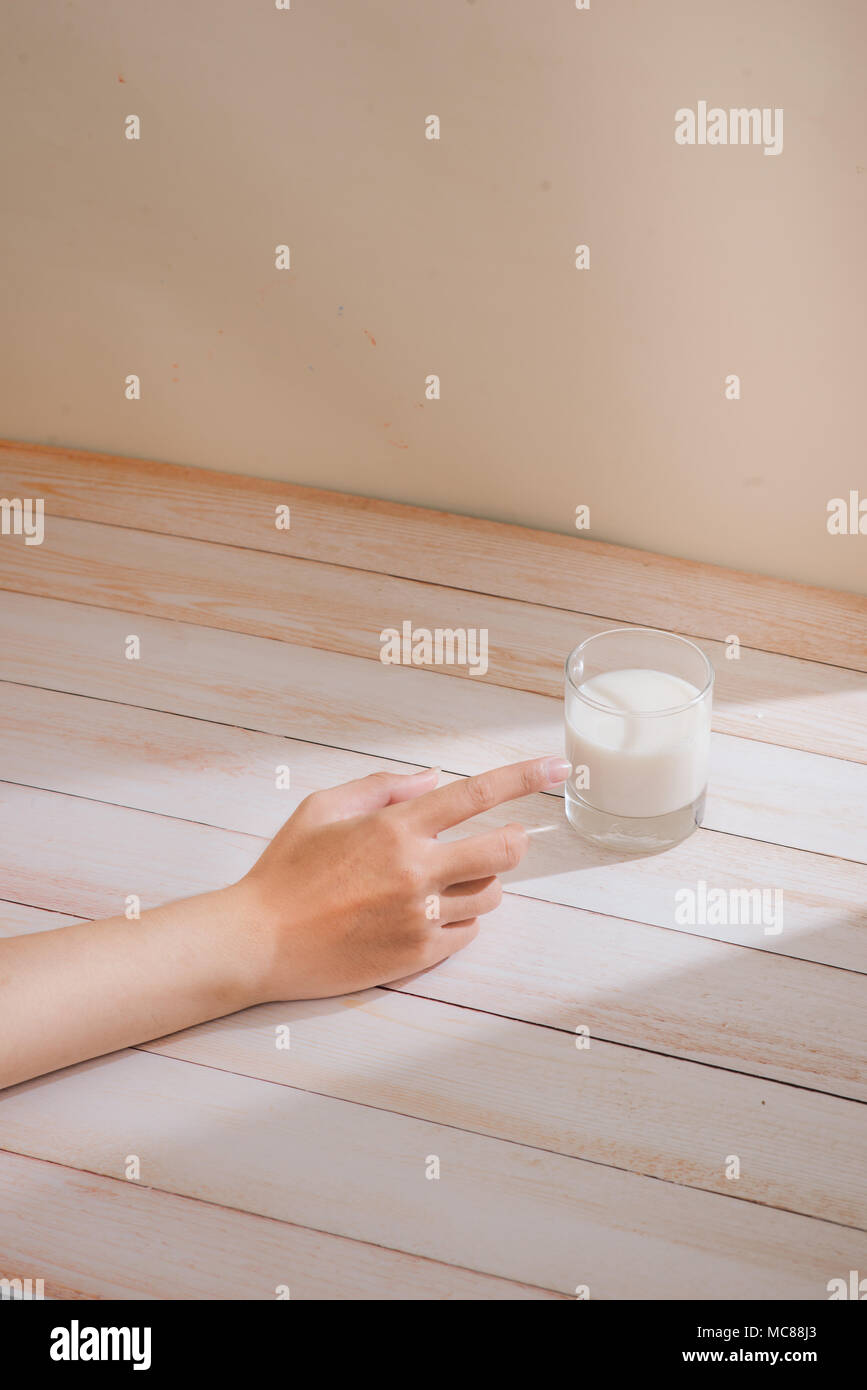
x,y
356,890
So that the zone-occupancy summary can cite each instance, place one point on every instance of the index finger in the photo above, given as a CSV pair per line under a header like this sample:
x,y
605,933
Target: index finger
x,y
449,805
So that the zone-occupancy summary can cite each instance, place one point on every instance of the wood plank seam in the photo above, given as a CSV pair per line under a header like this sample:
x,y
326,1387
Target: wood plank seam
x,y
555,796
609,1036
258,648
579,613
653,1051
798,1186
85,482
509,889
610,1041
521,1144
125,1183
46,714
191,549
233,724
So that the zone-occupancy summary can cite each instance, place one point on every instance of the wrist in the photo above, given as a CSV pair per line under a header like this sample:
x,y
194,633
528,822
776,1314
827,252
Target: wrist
x,y
251,928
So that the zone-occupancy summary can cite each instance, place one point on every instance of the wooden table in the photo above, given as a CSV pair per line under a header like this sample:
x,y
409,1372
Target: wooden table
x,y
563,1167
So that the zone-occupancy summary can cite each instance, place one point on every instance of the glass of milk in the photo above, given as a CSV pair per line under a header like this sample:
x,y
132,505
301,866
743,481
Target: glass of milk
x,y
638,709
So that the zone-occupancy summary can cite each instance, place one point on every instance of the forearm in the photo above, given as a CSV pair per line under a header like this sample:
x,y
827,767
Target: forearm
x,y
338,902
92,987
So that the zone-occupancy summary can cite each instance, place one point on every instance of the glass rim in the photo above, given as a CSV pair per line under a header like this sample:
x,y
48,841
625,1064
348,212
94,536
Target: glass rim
x,y
648,713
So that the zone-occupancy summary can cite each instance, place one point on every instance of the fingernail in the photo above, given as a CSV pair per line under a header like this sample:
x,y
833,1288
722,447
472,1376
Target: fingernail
x,y
428,770
556,770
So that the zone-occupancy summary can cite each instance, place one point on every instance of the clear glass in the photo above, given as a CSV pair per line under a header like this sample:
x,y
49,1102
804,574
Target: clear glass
x,y
638,713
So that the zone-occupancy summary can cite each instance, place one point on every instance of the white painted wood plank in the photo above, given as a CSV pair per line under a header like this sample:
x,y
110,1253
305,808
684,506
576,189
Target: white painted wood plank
x,y
226,776
620,1106
225,602
541,962
92,1237
403,712
537,566
615,1105
120,851
497,1207
344,610
17,919
271,686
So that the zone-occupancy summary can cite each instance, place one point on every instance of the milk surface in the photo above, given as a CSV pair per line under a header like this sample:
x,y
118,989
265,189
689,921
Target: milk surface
x,y
639,766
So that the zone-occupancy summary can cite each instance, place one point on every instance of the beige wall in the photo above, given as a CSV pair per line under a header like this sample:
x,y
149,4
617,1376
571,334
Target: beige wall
x,y
559,387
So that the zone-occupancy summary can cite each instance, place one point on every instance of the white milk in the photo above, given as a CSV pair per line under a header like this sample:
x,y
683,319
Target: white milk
x,y
639,766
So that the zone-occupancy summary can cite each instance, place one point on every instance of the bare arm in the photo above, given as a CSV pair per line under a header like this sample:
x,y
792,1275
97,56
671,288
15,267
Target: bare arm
x,y
92,987
340,900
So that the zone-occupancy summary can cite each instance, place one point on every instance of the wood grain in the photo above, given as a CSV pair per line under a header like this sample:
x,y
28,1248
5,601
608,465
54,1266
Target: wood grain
x,y
823,905
399,711
644,986
225,776
16,919
503,1209
92,1237
619,1106
560,1165
567,572
343,610
622,1106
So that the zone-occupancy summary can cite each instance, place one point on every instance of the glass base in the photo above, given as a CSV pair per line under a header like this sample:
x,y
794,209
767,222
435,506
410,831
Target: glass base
x,y
633,834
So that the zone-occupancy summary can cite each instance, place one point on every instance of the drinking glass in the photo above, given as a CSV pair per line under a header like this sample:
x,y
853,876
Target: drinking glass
x,y
638,714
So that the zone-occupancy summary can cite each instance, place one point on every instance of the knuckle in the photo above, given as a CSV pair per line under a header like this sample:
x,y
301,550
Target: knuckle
x,y
411,876
390,833
415,931
529,779
420,933
512,847
378,779
479,792
309,805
